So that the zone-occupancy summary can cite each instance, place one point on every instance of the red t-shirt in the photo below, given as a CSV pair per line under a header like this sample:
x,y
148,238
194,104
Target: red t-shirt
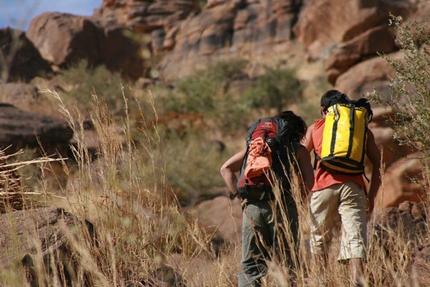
x,y
324,179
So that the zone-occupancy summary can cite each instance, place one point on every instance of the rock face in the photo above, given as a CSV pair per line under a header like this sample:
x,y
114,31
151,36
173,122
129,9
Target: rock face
x,y
20,59
30,239
402,170
228,29
19,129
325,23
147,16
402,181
358,32
228,222
19,94
65,39
368,44
363,77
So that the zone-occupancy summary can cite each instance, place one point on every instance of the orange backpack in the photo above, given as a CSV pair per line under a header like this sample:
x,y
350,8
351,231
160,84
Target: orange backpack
x,y
268,151
259,158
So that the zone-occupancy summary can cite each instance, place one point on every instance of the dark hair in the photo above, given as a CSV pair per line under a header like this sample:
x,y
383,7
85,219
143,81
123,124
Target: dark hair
x,y
331,97
296,125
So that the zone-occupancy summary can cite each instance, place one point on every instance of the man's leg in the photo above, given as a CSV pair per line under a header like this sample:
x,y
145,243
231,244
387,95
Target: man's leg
x,y
324,215
353,213
286,232
254,254
356,267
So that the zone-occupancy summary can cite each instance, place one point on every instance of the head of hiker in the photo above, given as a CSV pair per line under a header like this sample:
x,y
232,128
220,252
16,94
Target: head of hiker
x,y
331,97
296,125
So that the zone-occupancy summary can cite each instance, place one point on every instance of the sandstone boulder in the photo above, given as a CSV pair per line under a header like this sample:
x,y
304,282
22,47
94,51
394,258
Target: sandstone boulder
x,y
20,60
367,75
33,241
383,130
402,181
223,215
324,23
402,178
19,94
20,129
366,45
65,39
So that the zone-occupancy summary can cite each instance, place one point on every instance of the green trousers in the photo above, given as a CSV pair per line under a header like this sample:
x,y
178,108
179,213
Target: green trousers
x,y
264,237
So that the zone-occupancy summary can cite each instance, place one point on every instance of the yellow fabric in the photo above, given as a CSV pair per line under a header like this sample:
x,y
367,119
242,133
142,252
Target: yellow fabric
x,y
341,135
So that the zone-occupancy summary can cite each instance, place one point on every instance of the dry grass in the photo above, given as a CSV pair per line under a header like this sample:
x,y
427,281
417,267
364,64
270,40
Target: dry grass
x,y
142,230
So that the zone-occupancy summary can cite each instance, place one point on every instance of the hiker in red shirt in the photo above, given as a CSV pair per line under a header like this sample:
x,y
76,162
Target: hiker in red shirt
x,y
264,235
341,198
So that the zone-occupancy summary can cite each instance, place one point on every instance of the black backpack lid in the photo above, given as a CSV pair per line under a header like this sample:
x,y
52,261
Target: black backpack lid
x,y
335,99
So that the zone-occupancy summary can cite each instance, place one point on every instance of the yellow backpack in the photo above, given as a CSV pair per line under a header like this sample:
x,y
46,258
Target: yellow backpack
x,y
345,136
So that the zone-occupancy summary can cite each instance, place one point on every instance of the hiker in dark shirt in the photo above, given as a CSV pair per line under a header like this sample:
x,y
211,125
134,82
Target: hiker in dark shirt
x,y
269,228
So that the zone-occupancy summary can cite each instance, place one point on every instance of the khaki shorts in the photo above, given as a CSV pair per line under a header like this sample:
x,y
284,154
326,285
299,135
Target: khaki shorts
x,y
341,205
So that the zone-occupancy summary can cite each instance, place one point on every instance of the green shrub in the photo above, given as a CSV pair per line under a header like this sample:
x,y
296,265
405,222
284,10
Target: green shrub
x,y
81,81
207,92
202,3
192,166
276,88
410,89
202,91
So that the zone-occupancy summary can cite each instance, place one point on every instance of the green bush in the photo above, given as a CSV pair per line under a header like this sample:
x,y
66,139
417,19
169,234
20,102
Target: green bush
x,y
208,92
276,88
192,166
203,90
410,90
81,81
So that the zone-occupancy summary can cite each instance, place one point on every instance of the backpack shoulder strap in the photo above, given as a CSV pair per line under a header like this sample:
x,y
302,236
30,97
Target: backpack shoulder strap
x,y
282,134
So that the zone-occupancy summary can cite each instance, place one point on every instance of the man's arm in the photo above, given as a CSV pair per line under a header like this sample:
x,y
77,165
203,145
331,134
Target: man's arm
x,y
307,139
229,168
374,156
306,170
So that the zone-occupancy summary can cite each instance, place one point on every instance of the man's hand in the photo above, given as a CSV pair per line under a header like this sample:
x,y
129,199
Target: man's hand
x,y
234,195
